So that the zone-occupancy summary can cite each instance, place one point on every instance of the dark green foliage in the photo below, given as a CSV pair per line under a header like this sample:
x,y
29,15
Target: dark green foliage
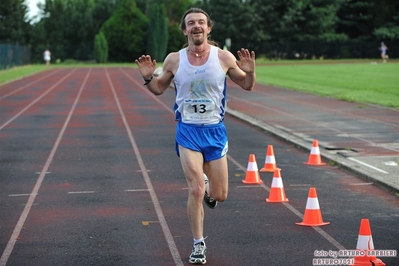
x,y
100,48
176,38
126,32
158,34
68,28
368,20
234,19
14,26
273,27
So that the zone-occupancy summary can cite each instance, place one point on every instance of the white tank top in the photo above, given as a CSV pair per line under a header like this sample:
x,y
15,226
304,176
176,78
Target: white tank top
x,y
200,90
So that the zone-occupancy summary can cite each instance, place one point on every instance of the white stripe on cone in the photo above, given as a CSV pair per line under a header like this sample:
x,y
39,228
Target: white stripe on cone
x,y
312,204
365,243
271,160
252,166
277,182
315,150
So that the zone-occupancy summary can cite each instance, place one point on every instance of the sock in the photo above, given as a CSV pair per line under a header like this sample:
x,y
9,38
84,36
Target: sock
x,y
196,241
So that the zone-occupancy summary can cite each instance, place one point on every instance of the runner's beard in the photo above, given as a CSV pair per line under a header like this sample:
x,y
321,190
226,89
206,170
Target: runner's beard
x,y
199,40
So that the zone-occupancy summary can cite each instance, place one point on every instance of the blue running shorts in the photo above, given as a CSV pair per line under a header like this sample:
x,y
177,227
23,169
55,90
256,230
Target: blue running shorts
x,y
210,140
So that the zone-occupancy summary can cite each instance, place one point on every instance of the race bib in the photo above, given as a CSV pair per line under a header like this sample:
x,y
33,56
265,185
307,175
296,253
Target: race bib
x,y
199,109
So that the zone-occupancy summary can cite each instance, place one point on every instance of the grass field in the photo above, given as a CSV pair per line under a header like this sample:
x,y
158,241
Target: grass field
x,y
363,83
359,81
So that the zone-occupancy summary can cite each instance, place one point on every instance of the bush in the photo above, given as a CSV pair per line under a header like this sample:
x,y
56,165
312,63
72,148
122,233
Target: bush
x,y
126,32
100,48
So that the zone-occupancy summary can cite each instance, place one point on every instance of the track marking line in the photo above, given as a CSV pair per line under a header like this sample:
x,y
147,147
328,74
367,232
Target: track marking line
x,y
82,192
17,230
370,166
165,228
137,190
295,211
20,195
249,186
27,85
36,100
147,91
38,173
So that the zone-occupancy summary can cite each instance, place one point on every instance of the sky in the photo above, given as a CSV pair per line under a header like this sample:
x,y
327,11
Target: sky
x,y
33,10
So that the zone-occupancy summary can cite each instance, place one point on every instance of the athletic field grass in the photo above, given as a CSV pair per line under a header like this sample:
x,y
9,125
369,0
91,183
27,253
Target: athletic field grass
x,y
374,83
361,81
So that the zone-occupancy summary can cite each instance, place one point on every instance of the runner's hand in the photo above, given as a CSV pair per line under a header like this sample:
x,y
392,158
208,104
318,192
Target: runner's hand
x,y
146,65
247,60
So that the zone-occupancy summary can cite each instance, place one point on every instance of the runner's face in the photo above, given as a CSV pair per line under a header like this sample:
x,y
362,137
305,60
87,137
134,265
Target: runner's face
x,y
197,29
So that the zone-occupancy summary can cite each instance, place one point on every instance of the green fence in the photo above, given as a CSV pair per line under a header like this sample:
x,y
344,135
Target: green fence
x,y
14,55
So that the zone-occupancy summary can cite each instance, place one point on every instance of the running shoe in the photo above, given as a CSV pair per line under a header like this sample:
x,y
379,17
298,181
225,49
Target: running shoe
x,y
210,202
198,256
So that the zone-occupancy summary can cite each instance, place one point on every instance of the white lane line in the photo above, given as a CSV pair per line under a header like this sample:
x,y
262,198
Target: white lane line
x,y
147,91
295,211
17,230
81,192
36,100
370,166
168,235
27,85
249,186
20,195
136,190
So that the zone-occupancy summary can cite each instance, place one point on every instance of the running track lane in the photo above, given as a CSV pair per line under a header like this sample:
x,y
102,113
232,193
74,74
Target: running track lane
x,y
134,84
34,193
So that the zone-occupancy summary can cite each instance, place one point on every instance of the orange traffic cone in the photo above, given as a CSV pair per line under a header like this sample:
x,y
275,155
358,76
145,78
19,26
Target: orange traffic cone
x,y
365,245
277,193
252,176
312,216
270,162
314,157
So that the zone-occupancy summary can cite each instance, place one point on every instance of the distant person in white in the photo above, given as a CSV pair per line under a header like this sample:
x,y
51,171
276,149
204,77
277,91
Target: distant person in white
x,y
47,57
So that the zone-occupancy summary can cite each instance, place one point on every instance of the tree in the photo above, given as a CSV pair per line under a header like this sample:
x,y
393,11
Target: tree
x,y
176,8
176,38
234,19
68,27
14,25
158,35
356,19
79,30
102,11
299,20
126,32
320,21
100,48
174,11
386,22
